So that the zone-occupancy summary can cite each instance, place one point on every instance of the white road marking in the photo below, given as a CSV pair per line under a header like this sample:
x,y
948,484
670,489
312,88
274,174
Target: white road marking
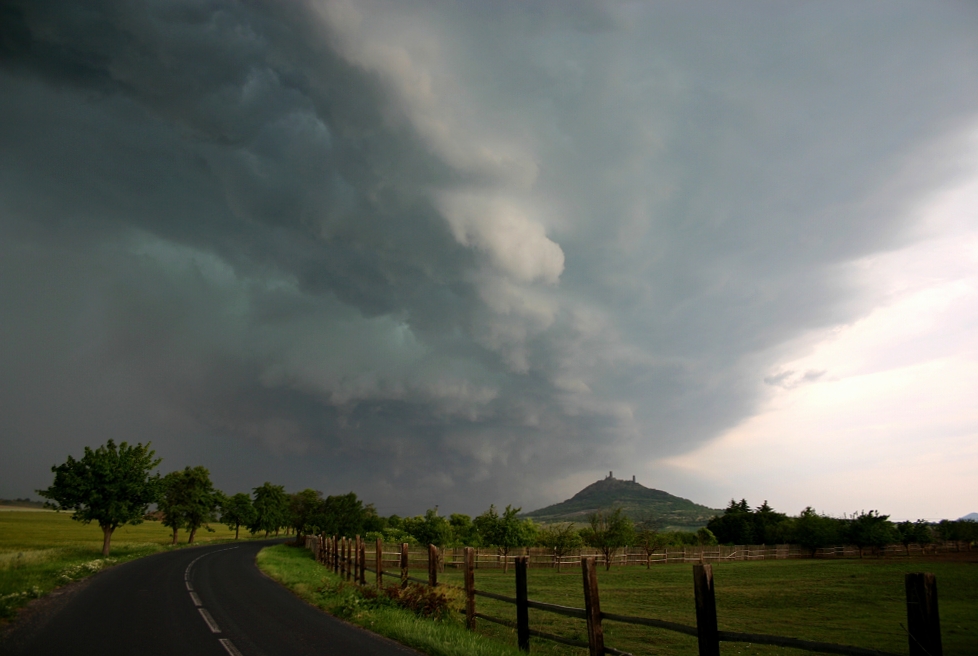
x,y
229,646
197,601
210,620
189,587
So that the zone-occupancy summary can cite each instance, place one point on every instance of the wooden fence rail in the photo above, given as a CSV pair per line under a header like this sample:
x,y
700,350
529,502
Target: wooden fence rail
x,y
348,558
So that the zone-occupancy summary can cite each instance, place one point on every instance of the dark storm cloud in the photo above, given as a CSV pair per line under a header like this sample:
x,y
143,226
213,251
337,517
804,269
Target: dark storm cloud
x,y
426,250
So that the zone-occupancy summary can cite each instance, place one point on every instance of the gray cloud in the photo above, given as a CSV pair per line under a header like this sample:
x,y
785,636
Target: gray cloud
x,y
436,253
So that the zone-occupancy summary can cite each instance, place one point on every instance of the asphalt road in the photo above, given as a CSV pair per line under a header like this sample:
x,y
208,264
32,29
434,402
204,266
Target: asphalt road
x,y
205,601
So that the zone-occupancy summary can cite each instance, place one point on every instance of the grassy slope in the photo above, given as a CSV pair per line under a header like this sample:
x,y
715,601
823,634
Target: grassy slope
x,y
637,501
850,602
40,551
296,569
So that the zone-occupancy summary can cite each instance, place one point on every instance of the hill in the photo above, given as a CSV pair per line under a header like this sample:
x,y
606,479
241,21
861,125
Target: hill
x,y
970,517
638,502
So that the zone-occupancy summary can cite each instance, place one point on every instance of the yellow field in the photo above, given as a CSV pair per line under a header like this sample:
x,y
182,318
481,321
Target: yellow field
x,y
40,529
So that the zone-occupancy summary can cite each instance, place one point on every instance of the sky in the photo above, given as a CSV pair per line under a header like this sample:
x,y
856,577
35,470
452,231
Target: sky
x,y
462,253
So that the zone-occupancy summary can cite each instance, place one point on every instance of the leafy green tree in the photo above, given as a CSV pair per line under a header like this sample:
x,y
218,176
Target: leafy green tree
x,y
306,509
464,532
237,511
432,528
609,532
111,486
705,537
561,538
814,531
870,529
918,532
190,500
739,524
271,505
506,531
344,514
169,503
202,501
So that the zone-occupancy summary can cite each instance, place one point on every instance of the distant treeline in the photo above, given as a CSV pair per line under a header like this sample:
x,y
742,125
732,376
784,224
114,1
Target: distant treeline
x,y
741,524
113,485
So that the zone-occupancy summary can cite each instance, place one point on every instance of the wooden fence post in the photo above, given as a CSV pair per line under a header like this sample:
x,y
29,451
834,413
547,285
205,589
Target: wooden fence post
x,y
592,607
356,559
342,557
706,610
470,588
923,620
379,559
336,555
404,564
348,553
432,565
363,562
522,608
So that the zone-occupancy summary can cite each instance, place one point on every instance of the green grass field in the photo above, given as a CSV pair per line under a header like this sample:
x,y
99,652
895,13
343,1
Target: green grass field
x,y
40,551
854,602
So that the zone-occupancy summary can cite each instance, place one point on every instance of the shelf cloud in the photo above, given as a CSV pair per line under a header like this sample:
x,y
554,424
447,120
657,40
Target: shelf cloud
x,y
443,253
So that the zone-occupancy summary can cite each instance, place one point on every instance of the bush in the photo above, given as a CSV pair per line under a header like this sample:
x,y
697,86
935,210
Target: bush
x,y
433,603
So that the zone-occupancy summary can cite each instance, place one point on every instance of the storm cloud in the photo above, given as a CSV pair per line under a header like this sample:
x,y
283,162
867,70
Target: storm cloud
x,y
444,253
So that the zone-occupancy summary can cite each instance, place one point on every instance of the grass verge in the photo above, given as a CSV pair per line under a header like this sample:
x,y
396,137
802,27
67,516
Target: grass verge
x,y
42,550
295,569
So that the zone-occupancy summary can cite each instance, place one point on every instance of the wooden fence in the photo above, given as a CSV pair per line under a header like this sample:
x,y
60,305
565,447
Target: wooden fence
x,y
487,558
348,558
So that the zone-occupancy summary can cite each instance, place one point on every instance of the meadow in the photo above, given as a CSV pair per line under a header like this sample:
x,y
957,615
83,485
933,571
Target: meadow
x,y
853,602
847,601
42,550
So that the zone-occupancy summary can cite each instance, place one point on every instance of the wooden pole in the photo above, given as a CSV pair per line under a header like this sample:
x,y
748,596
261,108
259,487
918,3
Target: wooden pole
x,y
379,560
592,607
363,562
336,555
347,549
923,620
404,564
522,607
432,565
706,610
470,588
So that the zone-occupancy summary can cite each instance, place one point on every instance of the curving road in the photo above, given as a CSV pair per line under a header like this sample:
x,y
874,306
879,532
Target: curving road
x,y
204,601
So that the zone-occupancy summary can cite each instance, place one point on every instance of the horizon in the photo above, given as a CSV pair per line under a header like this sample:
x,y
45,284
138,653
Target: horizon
x,y
466,254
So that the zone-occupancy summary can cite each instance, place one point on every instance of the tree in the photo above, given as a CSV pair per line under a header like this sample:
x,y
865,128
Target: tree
x,y
705,537
562,538
609,532
201,500
237,511
918,532
306,512
506,531
870,529
271,508
344,514
169,503
430,529
648,537
190,500
814,531
464,532
111,485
